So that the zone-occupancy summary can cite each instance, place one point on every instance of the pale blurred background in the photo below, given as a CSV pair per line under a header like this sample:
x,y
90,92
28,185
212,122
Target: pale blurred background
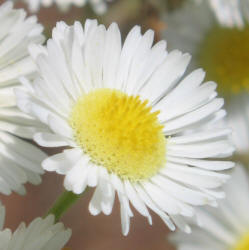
x,y
100,232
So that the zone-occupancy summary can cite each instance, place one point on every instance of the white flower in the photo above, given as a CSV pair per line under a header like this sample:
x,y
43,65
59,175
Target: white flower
x,y
134,125
225,228
238,120
19,160
223,53
186,28
230,13
99,6
39,235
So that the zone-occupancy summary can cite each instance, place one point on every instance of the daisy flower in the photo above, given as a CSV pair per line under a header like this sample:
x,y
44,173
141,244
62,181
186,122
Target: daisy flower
x,y
223,53
19,160
99,6
40,234
226,228
230,13
132,123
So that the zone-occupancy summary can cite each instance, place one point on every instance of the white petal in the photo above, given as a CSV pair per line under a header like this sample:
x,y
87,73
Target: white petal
x,y
219,149
50,140
136,201
59,126
147,200
205,164
62,162
191,118
194,177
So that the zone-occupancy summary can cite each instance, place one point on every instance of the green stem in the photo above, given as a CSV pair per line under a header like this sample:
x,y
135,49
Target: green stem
x,y
63,203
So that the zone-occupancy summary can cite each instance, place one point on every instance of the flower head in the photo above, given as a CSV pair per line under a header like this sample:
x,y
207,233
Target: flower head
x,y
133,124
19,160
226,227
230,13
220,50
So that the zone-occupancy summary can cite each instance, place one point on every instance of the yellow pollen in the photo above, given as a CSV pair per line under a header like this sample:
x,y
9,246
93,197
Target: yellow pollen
x,y
243,243
224,54
120,133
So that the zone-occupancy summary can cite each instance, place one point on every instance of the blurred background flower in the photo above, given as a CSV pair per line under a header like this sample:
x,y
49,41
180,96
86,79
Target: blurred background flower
x,y
41,233
222,50
230,13
224,228
99,6
19,160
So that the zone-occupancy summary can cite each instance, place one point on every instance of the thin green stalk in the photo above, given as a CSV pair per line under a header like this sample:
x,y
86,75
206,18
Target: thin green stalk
x,y
63,203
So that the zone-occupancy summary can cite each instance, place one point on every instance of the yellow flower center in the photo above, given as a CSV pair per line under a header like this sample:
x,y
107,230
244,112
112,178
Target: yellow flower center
x,y
120,133
224,54
243,243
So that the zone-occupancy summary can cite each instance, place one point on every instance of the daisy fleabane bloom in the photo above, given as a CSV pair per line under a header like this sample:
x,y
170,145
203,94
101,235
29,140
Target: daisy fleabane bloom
x,y
40,234
99,6
19,160
225,228
133,124
230,13
222,52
